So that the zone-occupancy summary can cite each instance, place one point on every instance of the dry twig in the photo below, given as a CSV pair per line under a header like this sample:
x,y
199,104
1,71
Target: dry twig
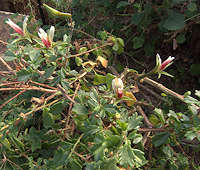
x,y
6,102
64,93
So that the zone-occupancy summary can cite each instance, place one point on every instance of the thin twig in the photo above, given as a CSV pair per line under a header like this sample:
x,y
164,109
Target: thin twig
x,y
163,88
71,104
146,120
154,130
10,83
3,42
24,116
29,88
8,67
153,93
81,156
64,93
80,54
5,103
77,30
44,85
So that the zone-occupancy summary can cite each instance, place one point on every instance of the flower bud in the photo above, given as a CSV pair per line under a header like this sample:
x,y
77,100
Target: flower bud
x,y
118,86
47,39
15,27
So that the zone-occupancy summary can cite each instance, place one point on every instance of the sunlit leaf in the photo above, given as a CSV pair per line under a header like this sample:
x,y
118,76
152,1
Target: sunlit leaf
x,y
103,61
131,98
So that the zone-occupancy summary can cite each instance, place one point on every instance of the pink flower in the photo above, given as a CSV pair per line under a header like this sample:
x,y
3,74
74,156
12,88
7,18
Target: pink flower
x,y
118,86
47,38
166,63
15,27
160,66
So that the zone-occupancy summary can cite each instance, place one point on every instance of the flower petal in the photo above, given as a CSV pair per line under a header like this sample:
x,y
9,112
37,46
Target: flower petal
x,y
51,33
166,63
15,27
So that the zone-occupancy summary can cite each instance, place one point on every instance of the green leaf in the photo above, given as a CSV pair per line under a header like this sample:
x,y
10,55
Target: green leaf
x,y
9,56
65,84
59,159
109,78
34,137
159,113
99,152
180,38
99,79
34,54
120,41
197,93
123,125
24,75
81,111
134,121
138,42
47,118
122,4
78,61
175,2
190,135
154,120
103,35
115,46
137,18
49,71
160,139
192,6
113,140
168,151
166,74
136,138
129,157
175,21
57,108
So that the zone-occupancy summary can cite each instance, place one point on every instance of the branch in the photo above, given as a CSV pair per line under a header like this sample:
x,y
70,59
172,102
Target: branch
x,y
64,93
29,88
146,120
5,103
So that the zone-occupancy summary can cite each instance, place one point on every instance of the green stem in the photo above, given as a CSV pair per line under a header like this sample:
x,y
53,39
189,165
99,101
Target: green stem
x,y
141,76
74,147
192,17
